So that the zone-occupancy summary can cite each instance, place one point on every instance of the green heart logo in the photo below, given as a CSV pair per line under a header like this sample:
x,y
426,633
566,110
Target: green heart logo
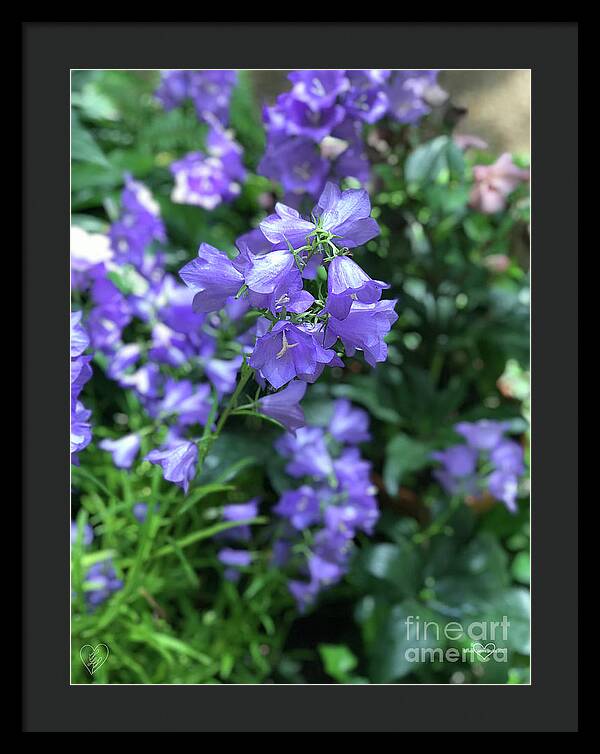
x,y
93,657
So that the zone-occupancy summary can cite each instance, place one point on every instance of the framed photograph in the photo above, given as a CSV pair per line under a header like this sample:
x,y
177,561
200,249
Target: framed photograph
x,y
316,440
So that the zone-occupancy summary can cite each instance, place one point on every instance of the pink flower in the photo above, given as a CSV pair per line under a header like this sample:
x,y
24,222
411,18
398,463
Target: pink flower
x,y
493,183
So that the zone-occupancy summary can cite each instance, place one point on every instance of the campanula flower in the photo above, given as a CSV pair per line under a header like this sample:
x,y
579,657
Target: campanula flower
x,y
236,558
483,434
319,89
285,405
287,351
88,534
308,453
347,282
212,277
101,580
407,94
348,424
188,402
209,90
124,450
139,224
178,462
364,329
301,507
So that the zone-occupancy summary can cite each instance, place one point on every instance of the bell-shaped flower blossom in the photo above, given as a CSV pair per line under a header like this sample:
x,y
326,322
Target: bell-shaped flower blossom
x,y
458,460
223,373
178,462
87,534
79,337
346,215
138,225
239,512
363,329
209,90
300,507
101,580
407,92
504,487
146,382
349,425
369,104
288,351
328,563
348,518
236,558
296,163
319,89
302,119
124,450
348,282
125,357
285,405
483,434
507,456
212,277
81,430
307,452
189,402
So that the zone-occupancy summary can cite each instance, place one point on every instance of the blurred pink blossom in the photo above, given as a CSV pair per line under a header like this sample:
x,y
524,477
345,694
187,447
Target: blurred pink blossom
x,y
469,141
493,183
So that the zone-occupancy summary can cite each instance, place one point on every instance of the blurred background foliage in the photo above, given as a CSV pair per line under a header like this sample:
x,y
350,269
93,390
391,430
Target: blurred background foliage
x,y
459,352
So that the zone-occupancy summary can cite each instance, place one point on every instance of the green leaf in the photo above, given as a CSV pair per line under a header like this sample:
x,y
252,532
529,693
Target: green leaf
x,y
94,104
431,160
199,494
403,454
520,568
83,145
338,661
397,647
362,393
396,564
207,533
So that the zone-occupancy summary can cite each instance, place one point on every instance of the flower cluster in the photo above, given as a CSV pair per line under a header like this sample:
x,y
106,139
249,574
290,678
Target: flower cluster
x,y
209,90
488,461
139,224
150,342
298,328
493,183
81,371
334,501
207,179
315,131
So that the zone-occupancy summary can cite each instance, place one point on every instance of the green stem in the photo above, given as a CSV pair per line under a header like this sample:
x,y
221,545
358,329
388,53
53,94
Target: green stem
x,y
208,438
438,525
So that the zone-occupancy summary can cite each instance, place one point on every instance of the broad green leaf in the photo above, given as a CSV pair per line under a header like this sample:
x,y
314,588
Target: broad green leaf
x,y
403,454
433,160
83,145
403,643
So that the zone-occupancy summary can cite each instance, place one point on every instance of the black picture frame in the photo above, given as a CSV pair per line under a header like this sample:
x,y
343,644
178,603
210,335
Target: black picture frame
x,y
50,50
